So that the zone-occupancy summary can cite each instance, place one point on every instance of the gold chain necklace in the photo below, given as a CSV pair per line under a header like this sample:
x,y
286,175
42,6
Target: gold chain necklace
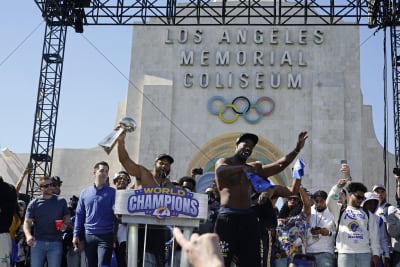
x,y
157,183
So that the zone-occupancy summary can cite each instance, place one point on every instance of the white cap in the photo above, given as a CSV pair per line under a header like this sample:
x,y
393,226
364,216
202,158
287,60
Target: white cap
x,y
377,186
369,196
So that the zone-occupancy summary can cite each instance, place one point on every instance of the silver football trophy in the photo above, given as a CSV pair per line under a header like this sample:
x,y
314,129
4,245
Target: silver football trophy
x,y
108,143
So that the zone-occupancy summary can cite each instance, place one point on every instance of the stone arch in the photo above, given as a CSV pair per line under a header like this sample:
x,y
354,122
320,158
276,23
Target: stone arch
x,y
224,146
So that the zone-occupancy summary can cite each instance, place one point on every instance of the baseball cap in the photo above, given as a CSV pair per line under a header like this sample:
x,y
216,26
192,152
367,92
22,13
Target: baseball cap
x,y
118,174
165,156
56,179
379,186
369,196
245,136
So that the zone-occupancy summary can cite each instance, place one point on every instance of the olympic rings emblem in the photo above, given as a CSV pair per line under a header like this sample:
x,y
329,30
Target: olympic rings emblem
x,y
241,106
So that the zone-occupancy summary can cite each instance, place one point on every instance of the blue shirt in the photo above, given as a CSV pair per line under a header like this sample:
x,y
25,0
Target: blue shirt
x,y
44,213
95,211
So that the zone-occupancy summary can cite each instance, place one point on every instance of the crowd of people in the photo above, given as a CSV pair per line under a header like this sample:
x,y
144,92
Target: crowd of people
x,y
351,225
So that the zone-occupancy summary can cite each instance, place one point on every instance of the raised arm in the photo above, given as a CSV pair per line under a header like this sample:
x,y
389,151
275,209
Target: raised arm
x,y
20,181
306,203
130,166
286,191
279,165
333,196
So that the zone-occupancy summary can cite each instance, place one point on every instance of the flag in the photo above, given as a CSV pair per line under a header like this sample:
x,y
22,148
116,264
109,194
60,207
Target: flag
x,y
258,183
298,169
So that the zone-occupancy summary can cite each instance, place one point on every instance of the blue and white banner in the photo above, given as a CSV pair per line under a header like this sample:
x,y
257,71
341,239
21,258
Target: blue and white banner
x,y
298,169
163,202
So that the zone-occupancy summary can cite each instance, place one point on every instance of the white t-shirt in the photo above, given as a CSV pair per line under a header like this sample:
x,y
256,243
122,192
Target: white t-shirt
x,y
320,243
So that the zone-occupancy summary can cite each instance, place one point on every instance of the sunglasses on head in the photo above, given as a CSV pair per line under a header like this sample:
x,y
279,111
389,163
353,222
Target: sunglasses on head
x,y
46,185
359,197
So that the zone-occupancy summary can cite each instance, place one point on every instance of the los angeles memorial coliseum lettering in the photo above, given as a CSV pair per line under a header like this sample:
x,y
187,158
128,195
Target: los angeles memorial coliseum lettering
x,y
277,51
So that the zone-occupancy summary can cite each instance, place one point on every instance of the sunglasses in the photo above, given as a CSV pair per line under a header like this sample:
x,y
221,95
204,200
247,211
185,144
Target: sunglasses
x,y
46,185
293,199
359,197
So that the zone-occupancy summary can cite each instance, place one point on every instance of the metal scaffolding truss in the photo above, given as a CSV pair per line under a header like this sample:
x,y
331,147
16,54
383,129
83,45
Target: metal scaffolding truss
x,y
46,112
395,45
61,14
200,12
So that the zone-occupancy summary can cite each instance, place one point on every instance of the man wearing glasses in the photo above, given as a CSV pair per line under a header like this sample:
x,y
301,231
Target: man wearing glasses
x,y
357,240
45,212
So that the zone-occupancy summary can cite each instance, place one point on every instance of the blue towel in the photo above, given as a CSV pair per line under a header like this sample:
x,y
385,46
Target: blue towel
x,y
258,183
298,169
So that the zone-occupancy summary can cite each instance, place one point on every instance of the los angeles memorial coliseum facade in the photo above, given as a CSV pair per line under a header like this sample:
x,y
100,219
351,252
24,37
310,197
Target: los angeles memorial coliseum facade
x,y
193,89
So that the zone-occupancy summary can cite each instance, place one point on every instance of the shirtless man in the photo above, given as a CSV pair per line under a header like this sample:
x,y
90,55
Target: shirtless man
x,y
237,225
158,176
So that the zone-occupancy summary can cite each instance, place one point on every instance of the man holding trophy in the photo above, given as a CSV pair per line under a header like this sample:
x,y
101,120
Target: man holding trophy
x,y
157,176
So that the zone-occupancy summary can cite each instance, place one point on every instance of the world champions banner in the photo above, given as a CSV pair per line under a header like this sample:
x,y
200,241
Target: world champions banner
x,y
156,204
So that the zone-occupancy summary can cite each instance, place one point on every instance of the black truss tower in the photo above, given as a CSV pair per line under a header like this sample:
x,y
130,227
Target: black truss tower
x,y
61,14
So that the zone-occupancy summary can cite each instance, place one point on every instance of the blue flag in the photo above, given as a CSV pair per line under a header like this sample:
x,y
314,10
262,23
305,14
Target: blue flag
x,y
298,169
258,183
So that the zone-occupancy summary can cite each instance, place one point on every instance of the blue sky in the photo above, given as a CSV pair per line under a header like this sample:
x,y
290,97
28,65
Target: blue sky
x,y
96,69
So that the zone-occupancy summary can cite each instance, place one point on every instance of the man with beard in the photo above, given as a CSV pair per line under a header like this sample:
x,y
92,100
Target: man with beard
x,y
322,231
158,176
43,212
157,236
237,224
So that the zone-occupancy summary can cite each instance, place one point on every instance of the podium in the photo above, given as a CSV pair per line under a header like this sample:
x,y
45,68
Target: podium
x,y
159,206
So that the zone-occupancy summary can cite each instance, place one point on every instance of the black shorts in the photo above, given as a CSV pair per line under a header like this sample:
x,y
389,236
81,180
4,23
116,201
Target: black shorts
x,y
240,238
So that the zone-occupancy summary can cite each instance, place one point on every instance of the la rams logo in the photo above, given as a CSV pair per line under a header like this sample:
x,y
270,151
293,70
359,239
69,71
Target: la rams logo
x,y
161,213
294,233
353,226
